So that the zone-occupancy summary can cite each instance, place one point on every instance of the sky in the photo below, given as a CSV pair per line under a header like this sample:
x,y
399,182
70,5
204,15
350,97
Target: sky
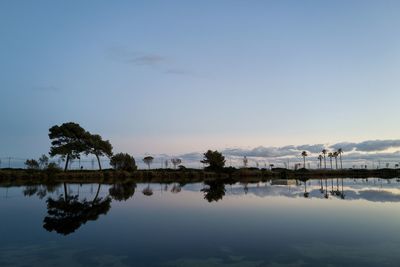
x,y
181,77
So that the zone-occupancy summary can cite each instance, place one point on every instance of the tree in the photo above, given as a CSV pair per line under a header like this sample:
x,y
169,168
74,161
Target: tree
x,y
123,161
43,161
304,155
320,161
176,162
68,141
324,151
31,164
330,155
97,146
214,159
148,161
245,161
340,152
335,155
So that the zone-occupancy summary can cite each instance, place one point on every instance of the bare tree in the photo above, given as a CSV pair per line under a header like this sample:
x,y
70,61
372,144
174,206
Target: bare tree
x,y
176,162
245,161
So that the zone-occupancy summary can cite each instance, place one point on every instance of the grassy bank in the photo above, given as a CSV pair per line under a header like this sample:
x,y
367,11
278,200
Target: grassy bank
x,y
22,176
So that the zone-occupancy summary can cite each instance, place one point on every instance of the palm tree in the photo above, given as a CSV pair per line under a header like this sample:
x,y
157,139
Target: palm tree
x,y
330,156
320,161
340,152
304,155
335,155
324,151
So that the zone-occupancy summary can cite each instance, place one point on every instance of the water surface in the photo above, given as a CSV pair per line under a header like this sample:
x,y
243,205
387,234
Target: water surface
x,y
345,223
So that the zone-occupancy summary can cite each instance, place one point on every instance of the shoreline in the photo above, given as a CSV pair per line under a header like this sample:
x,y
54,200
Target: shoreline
x,y
229,175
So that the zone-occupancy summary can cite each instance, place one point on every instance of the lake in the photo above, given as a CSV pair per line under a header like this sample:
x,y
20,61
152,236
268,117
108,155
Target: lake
x,y
345,222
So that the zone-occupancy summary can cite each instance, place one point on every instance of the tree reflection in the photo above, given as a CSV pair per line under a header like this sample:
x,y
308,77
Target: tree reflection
x,y
214,191
147,191
67,213
304,180
176,188
39,190
122,191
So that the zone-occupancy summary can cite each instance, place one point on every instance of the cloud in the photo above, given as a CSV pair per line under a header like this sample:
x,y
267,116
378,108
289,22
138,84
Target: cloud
x,y
284,151
317,148
147,60
368,146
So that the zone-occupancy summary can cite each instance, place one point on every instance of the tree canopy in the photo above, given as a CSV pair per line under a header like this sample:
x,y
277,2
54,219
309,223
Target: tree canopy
x,y
123,161
148,160
98,147
214,159
69,140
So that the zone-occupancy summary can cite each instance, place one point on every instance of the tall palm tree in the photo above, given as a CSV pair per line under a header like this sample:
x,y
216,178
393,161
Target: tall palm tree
x,y
335,155
340,152
324,151
320,161
330,155
304,155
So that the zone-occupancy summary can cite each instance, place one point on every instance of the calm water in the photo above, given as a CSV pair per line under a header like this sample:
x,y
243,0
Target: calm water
x,y
353,223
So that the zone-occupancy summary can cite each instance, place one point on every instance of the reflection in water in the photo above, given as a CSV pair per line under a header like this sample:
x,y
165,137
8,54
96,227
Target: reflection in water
x,y
147,191
68,213
176,188
214,191
122,191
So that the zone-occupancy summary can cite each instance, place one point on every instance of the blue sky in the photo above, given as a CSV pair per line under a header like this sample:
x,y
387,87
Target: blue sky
x,y
181,76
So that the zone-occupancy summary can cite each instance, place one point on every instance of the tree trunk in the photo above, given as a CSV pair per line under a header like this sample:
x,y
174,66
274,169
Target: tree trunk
x,y
65,192
304,158
324,161
336,162
97,193
341,166
66,163
98,161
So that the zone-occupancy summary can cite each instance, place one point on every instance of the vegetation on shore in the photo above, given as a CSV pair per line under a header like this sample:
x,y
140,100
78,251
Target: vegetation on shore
x,y
23,176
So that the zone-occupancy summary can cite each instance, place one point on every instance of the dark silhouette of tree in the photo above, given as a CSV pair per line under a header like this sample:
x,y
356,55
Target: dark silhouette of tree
x,y
66,214
245,162
335,155
98,147
324,154
31,164
340,152
123,161
68,141
320,161
330,155
214,191
148,161
214,159
122,191
304,155
43,161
